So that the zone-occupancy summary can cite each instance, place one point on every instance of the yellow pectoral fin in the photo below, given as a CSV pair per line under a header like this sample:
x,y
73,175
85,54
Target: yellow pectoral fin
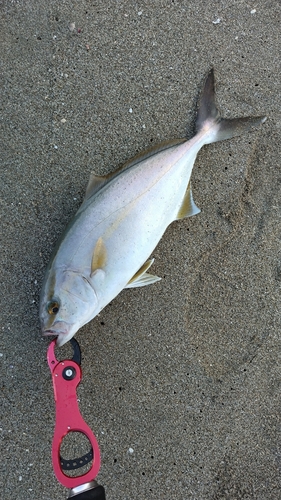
x,y
99,256
188,207
142,278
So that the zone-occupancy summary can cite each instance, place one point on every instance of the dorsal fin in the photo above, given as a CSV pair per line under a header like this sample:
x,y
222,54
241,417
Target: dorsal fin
x,y
96,182
151,152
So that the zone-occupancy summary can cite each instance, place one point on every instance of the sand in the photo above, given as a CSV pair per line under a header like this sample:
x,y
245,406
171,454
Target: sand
x,y
181,379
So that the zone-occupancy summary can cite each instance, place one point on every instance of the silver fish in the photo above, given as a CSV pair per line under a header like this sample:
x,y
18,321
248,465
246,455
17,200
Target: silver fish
x,y
107,245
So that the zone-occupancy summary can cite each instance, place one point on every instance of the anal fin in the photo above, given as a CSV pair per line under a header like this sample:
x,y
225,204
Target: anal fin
x,y
142,278
188,207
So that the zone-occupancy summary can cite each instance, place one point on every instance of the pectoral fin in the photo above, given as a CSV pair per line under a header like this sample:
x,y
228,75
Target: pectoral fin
x,y
188,207
99,256
142,278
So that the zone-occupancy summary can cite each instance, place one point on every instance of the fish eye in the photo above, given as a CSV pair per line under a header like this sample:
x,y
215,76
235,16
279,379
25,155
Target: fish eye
x,y
53,307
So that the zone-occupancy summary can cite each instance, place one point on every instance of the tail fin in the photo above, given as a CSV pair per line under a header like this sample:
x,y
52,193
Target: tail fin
x,y
209,117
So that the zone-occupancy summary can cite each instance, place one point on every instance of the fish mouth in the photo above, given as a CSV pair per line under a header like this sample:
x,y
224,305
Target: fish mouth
x,y
62,331
49,333
62,337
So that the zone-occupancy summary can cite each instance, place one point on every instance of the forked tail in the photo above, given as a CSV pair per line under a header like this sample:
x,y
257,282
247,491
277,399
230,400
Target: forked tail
x,y
209,118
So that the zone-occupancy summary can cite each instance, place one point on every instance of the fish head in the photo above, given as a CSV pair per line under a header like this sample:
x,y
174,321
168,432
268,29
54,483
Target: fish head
x,y
68,301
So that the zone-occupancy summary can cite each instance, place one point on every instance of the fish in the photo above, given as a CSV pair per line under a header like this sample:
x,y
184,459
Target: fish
x,y
107,246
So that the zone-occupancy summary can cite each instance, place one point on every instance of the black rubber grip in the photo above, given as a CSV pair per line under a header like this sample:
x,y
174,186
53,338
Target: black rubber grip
x,y
97,493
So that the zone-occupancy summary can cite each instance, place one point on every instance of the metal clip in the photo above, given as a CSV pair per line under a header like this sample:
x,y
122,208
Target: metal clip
x,y
66,376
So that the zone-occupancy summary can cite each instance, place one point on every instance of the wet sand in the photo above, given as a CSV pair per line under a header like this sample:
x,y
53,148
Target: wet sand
x,y
181,379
